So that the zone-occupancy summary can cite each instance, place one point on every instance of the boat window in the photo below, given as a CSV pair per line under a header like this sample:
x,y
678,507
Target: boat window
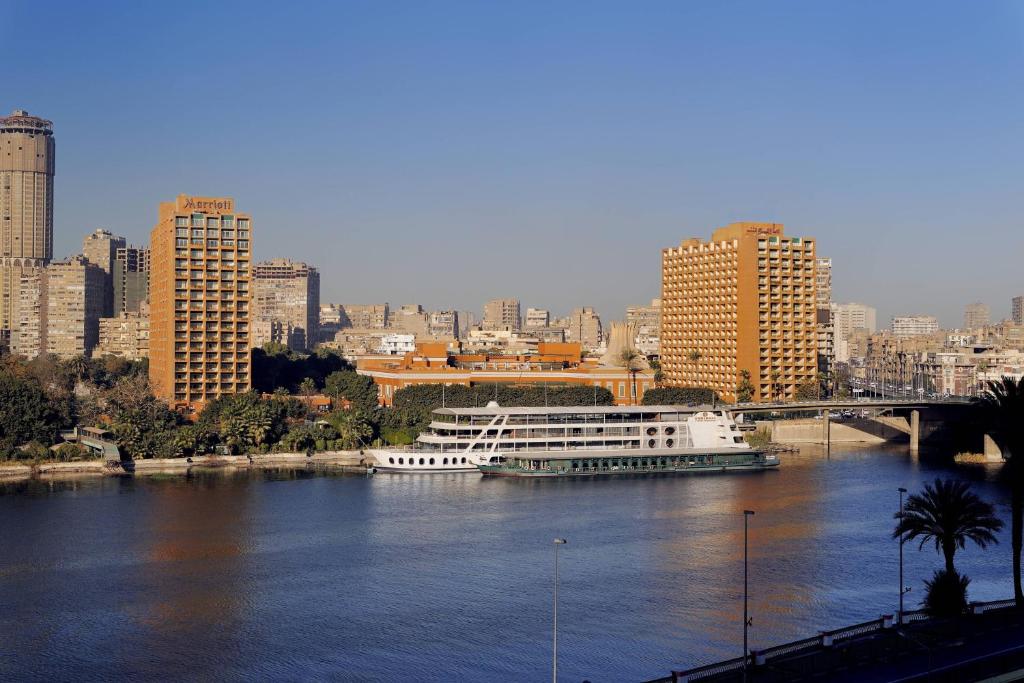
x,y
650,443
463,461
651,431
401,461
431,461
391,460
670,430
421,461
669,442
444,461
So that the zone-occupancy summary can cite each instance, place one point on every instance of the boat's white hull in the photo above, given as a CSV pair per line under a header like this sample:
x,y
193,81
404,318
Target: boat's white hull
x,y
412,462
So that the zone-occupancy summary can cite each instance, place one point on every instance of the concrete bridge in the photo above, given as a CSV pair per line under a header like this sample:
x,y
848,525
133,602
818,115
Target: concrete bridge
x,y
891,419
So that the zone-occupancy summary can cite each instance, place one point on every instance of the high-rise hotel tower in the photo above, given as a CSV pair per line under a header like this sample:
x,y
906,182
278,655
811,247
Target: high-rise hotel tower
x,y
199,300
745,300
26,205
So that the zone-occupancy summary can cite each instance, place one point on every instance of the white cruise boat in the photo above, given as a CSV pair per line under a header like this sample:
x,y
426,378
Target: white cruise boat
x,y
541,441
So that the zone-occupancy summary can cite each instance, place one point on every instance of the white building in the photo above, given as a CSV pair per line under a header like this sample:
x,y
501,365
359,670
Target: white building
x,y
914,325
397,344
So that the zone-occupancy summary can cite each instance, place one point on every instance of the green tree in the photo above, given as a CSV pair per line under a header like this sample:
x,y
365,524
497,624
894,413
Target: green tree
x,y
948,514
358,389
744,389
26,414
307,387
674,396
354,430
1002,408
631,360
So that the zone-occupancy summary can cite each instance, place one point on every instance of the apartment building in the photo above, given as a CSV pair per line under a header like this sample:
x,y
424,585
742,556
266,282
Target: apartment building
x,y
502,314
131,279
200,295
75,295
976,316
444,325
537,317
914,325
745,300
285,304
1017,310
646,320
125,335
584,328
846,319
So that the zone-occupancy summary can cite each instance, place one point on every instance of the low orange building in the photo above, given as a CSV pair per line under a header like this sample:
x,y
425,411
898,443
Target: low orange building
x,y
554,363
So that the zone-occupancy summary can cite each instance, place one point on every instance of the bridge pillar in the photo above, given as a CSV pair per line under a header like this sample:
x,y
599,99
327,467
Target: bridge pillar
x,y
915,430
826,428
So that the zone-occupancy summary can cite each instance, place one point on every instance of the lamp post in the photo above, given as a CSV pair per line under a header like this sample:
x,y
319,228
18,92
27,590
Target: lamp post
x,y
554,631
746,620
899,619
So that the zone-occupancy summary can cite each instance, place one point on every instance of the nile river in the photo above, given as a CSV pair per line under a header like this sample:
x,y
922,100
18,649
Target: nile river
x,y
298,576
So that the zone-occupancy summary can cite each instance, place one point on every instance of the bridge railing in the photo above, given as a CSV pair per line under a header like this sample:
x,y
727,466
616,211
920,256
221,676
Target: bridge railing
x,y
825,639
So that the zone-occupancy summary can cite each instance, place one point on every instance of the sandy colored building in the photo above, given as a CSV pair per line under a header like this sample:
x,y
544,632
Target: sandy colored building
x,y
584,328
745,300
100,248
285,304
502,314
976,316
200,280
28,335
125,335
27,155
75,294
555,364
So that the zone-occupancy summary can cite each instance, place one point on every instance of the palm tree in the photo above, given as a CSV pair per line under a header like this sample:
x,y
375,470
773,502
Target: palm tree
x,y
1003,409
949,514
630,359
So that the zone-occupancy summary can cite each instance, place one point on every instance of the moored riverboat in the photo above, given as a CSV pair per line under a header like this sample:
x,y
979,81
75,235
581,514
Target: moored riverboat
x,y
578,441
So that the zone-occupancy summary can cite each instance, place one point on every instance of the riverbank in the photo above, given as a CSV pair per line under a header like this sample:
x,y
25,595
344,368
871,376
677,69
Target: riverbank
x,y
340,461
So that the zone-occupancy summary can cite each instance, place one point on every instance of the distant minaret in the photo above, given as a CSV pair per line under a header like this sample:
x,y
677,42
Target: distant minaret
x,y
26,204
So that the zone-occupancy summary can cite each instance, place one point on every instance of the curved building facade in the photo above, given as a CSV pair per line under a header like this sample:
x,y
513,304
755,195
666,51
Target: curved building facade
x,y
26,204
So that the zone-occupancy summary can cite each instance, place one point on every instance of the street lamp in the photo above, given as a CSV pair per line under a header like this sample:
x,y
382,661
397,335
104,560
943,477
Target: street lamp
x,y
554,631
746,620
899,620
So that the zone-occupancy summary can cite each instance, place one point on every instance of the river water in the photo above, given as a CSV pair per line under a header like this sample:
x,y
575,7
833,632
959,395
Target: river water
x,y
301,576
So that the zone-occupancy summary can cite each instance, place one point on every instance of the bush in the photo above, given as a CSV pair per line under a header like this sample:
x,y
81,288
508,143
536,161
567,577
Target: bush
x,y
946,594
71,452
676,396
758,438
396,436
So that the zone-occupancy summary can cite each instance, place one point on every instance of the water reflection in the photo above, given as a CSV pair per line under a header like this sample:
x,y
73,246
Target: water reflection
x,y
296,575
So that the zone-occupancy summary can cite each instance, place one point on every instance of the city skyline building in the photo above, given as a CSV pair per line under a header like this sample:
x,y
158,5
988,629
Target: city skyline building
x,y
100,248
537,317
914,325
743,301
976,316
74,297
584,328
1017,310
200,291
848,319
27,169
131,279
502,314
285,304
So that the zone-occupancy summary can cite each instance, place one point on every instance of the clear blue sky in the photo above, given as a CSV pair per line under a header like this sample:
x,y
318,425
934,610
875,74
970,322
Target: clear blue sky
x,y
449,152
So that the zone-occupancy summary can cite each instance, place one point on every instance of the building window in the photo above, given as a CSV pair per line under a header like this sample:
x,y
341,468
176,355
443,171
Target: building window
x,y
181,221
622,389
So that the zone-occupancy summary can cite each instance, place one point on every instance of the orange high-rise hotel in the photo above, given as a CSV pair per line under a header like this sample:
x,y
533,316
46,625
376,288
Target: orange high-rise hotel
x,y
745,300
199,301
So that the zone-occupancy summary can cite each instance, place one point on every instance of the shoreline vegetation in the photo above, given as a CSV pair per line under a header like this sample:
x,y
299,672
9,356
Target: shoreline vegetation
x,y
347,462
